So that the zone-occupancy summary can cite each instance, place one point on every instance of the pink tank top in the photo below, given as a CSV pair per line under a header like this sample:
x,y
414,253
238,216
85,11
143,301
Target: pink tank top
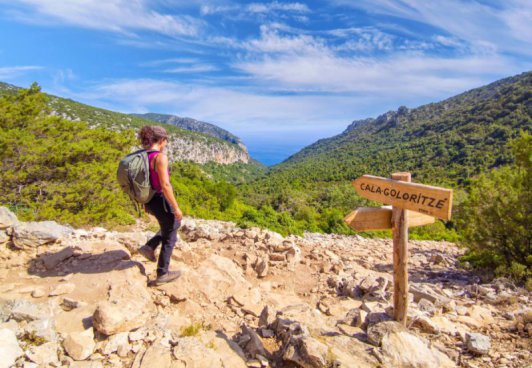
x,y
154,177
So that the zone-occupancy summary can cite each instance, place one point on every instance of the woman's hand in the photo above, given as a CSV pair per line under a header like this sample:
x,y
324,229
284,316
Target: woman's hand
x,y
178,214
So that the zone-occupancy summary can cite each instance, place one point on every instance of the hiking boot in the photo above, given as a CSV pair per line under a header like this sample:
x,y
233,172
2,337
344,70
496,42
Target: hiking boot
x,y
167,277
148,253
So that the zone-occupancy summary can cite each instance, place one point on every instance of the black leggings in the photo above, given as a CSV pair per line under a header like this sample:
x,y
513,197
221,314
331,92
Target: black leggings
x,y
161,209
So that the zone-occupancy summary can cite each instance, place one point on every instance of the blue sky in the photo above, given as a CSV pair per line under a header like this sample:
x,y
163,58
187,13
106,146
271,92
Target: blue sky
x,y
279,74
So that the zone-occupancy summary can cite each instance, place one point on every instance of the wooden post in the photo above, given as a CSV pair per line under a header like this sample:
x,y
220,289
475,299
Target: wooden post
x,y
400,257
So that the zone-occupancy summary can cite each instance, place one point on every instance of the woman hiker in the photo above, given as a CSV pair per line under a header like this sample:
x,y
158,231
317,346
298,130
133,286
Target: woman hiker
x,y
163,205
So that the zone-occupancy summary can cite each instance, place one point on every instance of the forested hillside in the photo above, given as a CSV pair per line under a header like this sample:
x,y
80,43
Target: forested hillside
x,y
444,142
185,145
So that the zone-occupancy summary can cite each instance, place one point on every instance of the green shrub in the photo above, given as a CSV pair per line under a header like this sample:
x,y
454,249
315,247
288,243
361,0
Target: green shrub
x,y
56,169
496,218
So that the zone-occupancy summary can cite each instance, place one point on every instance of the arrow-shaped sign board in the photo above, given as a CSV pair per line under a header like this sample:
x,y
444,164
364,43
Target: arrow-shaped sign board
x,y
426,199
380,218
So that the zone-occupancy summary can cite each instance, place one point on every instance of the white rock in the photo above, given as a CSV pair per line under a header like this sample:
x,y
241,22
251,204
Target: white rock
x,y
190,352
111,319
43,328
9,347
7,218
478,343
400,348
4,238
24,310
157,356
80,345
62,289
45,354
27,235
117,342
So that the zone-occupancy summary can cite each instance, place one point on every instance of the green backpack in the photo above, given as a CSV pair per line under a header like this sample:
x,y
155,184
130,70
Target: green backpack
x,y
134,176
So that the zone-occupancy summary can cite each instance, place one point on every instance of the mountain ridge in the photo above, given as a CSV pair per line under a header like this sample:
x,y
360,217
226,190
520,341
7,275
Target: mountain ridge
x,y
193,125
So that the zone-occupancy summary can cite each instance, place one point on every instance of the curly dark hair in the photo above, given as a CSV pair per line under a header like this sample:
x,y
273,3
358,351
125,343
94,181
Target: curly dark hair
x,y
151,134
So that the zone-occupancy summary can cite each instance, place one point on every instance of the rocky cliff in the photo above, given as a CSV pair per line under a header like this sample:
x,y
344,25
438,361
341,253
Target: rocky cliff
x,y
202,150
193,125
246,298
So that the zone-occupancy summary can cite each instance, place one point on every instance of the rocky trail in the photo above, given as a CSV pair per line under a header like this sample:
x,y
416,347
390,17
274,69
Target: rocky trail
x,y
246,298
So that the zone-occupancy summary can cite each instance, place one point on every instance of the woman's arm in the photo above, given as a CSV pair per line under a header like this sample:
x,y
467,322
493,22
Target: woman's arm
x,y
168,192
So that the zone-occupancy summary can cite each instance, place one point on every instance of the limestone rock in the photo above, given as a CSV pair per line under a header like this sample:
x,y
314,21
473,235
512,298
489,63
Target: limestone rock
x,y
43,328
61,289
28,235
254,345
157,355
23,310
68,304
9,347
478,343
80,345
110,318
190,352
129,307
43,355
400,348
85,364
7,218
307,352
117,343
4,238
262,267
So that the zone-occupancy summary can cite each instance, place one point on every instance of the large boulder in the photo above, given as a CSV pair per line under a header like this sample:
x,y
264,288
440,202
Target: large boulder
x,y
112,318
29,235
9,348
400,348
7,218
129,307
477,343
190,352
44,355
80,345
158,356
24,310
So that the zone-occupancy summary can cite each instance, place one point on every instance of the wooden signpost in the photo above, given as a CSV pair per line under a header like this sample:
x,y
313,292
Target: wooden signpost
x,y
412,205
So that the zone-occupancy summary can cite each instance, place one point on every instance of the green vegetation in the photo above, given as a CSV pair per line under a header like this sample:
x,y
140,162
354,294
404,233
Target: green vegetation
x,y
237,173
96,117
64,170
447,144
496,219
192,330
58,169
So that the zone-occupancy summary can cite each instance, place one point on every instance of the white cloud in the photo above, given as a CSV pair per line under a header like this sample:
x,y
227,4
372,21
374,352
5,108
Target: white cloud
x,y
243,112
197,68
10,72
256,8
275,5
367,40
506,27
121,16
399,74
271,41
